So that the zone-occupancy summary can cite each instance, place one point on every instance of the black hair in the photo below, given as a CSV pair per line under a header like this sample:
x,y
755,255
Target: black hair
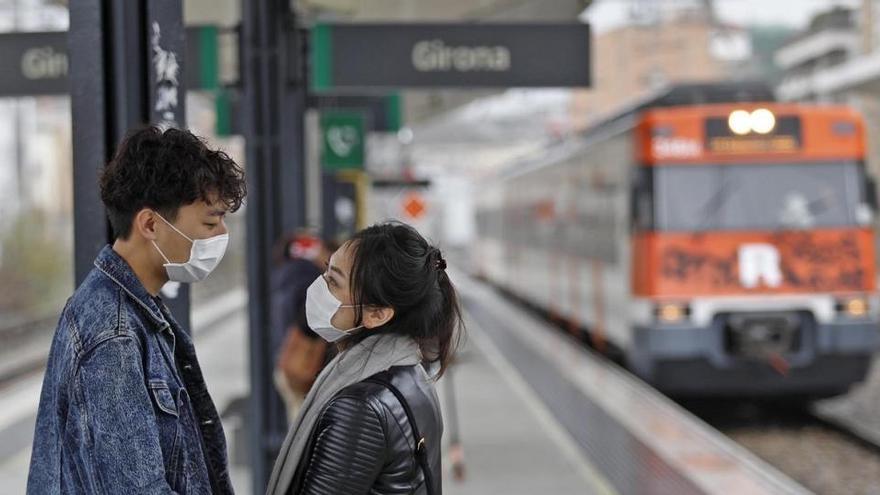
x,y
165,171
394,266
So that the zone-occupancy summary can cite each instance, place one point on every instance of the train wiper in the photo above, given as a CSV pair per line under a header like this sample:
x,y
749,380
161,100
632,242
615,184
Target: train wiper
x,y
716,201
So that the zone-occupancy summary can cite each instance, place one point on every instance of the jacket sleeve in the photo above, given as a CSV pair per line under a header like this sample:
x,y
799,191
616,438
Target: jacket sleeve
x,y
349,449
124,455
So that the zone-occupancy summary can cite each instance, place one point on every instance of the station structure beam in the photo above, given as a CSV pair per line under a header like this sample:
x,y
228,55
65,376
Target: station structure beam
x,y
274,96
126,71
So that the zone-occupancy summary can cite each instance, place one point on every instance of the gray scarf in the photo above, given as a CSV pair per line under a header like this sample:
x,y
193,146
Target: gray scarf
x,y
373,355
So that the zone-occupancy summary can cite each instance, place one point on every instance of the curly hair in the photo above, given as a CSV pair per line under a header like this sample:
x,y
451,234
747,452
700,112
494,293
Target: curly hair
x,y
164,171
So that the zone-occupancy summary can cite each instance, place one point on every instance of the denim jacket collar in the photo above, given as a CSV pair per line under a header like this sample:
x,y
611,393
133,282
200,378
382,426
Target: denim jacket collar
x,y
111,264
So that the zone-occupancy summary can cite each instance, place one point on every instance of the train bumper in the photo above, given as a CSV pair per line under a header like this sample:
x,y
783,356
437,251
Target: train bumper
x,y
687,360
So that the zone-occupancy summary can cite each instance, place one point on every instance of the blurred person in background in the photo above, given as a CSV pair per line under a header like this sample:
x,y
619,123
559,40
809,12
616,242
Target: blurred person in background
x,y
371,422
124,406
300,353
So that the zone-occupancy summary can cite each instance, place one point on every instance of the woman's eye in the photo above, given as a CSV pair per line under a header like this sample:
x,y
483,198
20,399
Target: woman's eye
x,y
211,225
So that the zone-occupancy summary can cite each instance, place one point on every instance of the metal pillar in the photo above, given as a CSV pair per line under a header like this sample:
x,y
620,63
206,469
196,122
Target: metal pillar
x,y
274,107
329,223
126,69
339,207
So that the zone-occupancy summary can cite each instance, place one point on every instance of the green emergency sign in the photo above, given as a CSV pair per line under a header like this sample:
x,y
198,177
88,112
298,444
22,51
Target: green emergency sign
x,y
342,140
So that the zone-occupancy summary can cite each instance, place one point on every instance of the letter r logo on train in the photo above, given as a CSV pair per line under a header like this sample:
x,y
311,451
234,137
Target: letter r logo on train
x,y
759,263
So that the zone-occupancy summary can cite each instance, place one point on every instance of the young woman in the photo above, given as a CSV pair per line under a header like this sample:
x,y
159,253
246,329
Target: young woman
x,y
371,422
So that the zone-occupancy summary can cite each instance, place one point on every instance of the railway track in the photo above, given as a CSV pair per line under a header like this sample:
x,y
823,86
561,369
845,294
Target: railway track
x,y
826,456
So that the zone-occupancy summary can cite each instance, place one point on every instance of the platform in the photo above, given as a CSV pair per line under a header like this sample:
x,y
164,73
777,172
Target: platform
x,y
535,412
640,441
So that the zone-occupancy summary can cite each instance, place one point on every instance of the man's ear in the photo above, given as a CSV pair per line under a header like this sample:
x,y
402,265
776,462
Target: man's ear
x,y
375,317
144,224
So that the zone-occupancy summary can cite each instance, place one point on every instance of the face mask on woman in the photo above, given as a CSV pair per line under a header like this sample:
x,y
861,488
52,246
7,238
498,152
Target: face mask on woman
x,y
321,306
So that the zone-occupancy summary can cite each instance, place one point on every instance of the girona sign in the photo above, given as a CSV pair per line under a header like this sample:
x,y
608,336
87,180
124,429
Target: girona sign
x,y
435,56
357,58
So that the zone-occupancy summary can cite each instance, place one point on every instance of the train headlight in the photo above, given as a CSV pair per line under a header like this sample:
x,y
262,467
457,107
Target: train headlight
x,y
854,307
760,121
740,122
763,121
671,312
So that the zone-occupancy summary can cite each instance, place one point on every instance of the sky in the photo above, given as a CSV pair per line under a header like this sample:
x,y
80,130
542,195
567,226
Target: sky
x,y
608,14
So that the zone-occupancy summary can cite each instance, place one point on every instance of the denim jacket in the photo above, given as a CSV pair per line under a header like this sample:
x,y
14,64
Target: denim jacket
x,y
124,407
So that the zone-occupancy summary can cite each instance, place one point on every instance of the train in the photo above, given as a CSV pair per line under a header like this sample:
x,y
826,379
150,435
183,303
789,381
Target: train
x,y
717,240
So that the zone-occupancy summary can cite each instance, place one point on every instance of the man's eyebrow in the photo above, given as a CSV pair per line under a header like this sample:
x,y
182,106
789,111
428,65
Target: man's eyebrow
x,y
217,213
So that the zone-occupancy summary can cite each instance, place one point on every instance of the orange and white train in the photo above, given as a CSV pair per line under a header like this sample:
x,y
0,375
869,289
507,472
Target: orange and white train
x,y
722,241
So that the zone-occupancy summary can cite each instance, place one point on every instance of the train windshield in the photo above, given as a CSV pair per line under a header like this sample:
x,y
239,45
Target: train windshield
x,y
760,196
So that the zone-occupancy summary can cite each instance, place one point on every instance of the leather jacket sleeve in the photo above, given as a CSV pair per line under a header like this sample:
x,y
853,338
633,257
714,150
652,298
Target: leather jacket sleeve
x,y
349,449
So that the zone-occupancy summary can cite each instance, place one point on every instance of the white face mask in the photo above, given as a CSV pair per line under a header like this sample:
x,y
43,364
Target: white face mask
x,y
204,256
321,306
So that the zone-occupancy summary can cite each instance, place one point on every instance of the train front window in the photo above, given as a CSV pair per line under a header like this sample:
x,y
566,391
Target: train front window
x,y
760,196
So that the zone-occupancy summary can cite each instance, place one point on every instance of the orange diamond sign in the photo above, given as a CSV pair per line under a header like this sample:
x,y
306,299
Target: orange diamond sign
x,y
414,206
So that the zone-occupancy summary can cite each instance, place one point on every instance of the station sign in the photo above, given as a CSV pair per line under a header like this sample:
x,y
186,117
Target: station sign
x,y
364,57
36,64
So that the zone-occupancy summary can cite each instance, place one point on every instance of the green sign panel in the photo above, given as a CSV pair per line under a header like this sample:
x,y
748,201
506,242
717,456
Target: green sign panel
x,y
342,140
203,57
393,112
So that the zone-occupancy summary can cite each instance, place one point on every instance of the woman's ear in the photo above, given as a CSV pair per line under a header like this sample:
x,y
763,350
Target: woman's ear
x,y
375,317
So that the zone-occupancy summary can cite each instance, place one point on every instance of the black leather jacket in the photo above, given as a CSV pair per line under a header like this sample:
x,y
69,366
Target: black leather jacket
x,y
363,442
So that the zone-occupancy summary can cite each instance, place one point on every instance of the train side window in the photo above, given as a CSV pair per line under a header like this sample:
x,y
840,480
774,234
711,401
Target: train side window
x,y
866,210
871,192
642,199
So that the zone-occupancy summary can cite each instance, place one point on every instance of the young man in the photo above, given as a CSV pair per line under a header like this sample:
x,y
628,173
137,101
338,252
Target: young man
x,y
124,407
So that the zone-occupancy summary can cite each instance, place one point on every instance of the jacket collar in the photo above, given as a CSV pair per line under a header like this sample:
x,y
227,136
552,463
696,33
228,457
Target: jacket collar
x,y
118,270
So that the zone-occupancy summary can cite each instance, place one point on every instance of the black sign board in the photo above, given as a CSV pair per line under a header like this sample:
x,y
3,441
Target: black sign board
x,y
359,57
383,111
34,63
